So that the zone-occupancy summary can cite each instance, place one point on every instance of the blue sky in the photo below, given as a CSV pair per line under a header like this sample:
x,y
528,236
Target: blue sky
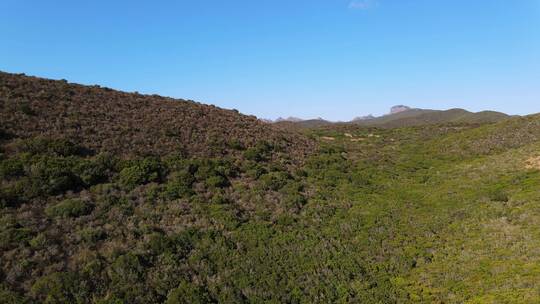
x,y
308,58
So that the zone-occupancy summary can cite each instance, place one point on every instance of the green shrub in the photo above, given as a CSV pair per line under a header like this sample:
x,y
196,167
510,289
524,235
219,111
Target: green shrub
x,y
11,168
260,152
38,241
51,176
254,169
274,180
69,208
110,300
142,172
60,287
58,147
125,270
98,170
14,235
26,109
159,243
236,145
217,181
11,194
10,297
210,167
179,185
498,195
188,293
219,199
92,235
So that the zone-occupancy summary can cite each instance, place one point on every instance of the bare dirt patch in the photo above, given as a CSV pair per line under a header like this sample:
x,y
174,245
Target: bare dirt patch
x,y
328,138
533,163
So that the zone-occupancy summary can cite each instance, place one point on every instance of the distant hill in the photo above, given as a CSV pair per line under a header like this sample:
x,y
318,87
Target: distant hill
x,y
417,117
402,116
399,109
103,119
303,124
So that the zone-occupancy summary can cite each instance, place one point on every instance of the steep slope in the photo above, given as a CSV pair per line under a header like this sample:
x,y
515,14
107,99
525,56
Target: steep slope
x,y
102,119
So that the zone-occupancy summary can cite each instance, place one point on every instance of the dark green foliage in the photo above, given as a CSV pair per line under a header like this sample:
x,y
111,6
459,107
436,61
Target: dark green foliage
x,y
92,235
141,172
11,168
60,287
274,180
11,195
13,235
260,152
179,185
50,176
26,109
127,275
498,195
217,181
236,145
69,208
9,297
97,170
188,293
41,145
127,268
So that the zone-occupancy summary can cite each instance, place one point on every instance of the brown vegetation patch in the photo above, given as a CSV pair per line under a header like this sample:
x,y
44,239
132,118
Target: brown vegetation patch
x,y
103,119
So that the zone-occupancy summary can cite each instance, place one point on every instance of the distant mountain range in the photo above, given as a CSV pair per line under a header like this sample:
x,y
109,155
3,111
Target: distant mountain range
x,y
403,116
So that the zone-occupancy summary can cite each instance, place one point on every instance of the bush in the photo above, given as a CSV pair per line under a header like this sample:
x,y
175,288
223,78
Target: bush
x,y
69,208
142,172
217,181
179,185
498,195
51,176
98,170
26,109
208,167
9,297
127,276
261,152
10,196
38,241
92,235
11,168
60,287
274,180
188,293
14,235
58,147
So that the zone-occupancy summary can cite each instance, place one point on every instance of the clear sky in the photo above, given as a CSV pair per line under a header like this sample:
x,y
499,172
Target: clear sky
x,y
331,58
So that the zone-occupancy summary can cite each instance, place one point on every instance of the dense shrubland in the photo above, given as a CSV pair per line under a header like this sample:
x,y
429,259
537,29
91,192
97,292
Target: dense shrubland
x,y
407,215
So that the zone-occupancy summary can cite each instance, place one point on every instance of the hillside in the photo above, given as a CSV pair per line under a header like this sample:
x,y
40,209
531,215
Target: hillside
x,y
103,119
303,124
402,116
418,117
344,213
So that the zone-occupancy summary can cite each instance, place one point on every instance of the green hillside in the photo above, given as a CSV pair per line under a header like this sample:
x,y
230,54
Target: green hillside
x,y
417,117
435,213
